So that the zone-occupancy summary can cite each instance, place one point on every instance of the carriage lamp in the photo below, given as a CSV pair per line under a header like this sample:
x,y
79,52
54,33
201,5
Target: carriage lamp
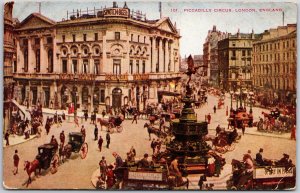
x,y
231,93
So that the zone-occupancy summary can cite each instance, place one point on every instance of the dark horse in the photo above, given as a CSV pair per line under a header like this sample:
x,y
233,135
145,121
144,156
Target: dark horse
x,y
31,167
155,131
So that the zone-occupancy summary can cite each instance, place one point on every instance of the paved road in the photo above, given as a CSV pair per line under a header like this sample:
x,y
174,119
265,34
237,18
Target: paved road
x,y
76,173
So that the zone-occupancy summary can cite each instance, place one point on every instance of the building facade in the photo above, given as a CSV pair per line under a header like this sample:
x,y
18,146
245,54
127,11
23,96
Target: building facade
x,y
111,56
9,51
234,58
275,62
210,54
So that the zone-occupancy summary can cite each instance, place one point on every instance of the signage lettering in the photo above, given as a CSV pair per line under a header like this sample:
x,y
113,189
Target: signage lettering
x,y
116,12
279,172
85,77
140,76
116,77
145,176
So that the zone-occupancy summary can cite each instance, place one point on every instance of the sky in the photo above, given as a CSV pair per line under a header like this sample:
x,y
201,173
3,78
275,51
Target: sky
x,y
193,26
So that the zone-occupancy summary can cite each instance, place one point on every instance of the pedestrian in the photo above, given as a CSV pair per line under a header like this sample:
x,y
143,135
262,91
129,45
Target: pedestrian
x,y
63,116
62,138
135,115
293,133
47,127
16,162
107,140
215,109
6,137
208,118
161,123
83,132
201,181
103,168
100,142
96,132
93,118
243,129
86,115
153,145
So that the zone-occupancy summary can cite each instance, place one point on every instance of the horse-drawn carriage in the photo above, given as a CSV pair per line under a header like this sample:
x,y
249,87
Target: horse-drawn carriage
x,y
276,177
76,144
239,119
46,158
225,140
112,123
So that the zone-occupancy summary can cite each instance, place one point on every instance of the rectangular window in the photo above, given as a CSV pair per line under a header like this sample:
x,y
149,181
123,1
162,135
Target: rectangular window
x,y
84,37
283,44
85,66
243,53
38,63
102,96
25,42
49,40
37,41
116,66
249,53
63,38
97,66
144,66
131,39
74,38
26,60
64,66
233,53
137,66
75,69
117,35
131,67
15,66
96,36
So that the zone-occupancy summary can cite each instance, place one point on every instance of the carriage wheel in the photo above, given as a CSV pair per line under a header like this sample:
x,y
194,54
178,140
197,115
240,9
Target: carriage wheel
x,y
119,129
54,164
111,130
84,150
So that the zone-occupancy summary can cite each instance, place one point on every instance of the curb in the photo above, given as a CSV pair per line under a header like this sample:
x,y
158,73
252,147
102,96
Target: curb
x,y
21,142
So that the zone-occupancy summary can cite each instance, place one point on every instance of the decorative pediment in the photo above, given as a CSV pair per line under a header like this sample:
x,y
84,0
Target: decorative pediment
x,y
34,21
166,25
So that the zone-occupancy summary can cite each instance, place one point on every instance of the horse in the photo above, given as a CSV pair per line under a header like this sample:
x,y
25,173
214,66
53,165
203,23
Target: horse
x,y
104,122
152,130
153,118
31,167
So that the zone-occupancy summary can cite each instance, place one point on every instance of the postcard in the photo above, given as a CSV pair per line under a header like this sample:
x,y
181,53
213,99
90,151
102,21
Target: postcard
x,y
138,95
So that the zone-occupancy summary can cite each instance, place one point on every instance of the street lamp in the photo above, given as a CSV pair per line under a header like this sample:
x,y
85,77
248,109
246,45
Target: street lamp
x,y
236,98
231,93
251,95
245,97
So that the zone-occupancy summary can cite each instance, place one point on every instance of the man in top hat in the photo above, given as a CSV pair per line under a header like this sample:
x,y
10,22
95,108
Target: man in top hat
x,y
144,162
259,159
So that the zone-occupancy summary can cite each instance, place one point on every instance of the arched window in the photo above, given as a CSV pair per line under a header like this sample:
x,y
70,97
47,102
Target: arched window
x,y
96,97
50,61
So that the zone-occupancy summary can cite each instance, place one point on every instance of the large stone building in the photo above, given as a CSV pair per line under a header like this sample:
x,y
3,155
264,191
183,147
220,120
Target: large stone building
x,y
111,56
275,62
210,54
9,51
234,58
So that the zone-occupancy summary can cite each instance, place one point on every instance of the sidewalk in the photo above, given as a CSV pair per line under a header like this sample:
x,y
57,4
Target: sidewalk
x,y
16,139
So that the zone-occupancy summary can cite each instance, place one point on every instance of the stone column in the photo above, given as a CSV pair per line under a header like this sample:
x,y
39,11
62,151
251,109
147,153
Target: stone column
x,y
161,59
56,66
79,64
20,57
31,58
172,57
154,57
43,56
166,56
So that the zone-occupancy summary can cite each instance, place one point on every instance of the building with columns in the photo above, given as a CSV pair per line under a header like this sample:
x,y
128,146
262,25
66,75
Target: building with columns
x,y
111,56
235,61
275,62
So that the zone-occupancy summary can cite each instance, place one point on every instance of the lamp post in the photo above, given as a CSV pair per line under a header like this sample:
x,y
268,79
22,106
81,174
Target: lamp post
x,y
75,95
231,93
245,98
251,95
236,98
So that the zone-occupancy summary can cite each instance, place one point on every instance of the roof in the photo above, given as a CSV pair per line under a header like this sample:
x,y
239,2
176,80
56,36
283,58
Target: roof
x,y
46,146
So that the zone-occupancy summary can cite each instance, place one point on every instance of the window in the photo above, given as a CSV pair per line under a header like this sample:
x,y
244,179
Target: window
x,y
64,66
233,53
96,36
25,42
116,66
131,37
50,61
117,35
137,66
63,38
37,60
85,51
102,96
283,44
15,66
37,41
144,66
233,43
249,53
131,67
49,40
145,40
138,38
74,38
25,60
85,66
243,53
84,37
74,66
97,66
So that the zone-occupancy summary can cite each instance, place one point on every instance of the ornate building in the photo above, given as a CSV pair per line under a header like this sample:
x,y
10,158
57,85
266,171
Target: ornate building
x,y
234,58
275,62
111,56
9,50
210,54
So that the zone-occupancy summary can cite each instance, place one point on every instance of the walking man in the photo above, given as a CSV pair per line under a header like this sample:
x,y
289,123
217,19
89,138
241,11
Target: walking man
x,y
107,140
215,109
96,132
62,138
100,142
86,115
135,115
16,162
6,137
208,118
